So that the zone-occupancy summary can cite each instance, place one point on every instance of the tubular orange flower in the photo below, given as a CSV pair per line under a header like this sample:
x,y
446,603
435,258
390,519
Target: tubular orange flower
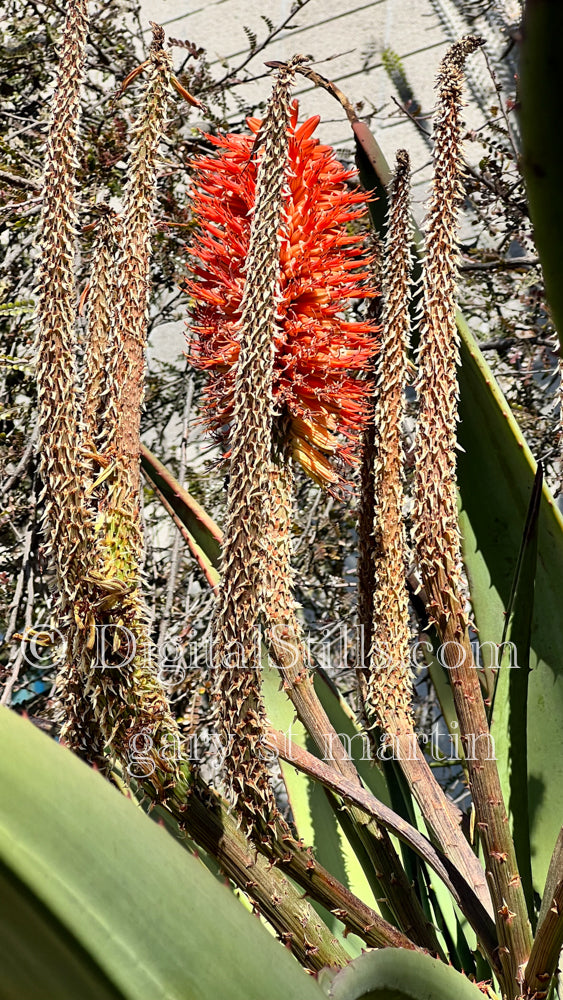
x,y
320,356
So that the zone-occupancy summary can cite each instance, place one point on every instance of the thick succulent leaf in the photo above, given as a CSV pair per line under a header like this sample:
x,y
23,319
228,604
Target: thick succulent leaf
x,y
541,77
510,700
37,952
100,902
394,974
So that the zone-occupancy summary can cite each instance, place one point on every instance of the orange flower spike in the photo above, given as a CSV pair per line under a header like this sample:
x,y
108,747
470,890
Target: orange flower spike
x,y
320,357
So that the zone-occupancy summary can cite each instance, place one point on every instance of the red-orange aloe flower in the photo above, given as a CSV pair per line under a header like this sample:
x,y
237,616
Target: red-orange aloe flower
x,y
320,357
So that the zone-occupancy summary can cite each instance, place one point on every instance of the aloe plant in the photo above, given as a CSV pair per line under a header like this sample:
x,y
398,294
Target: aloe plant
x,y
119,908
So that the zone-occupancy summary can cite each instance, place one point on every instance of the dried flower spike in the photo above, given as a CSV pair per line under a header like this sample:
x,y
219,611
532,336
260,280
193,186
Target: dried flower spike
x,y
240,603
66,519
389,680
133,266
56,316
130,704
436,526
99,300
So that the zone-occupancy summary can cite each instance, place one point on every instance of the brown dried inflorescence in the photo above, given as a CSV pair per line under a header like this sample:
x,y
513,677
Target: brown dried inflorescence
x,y
66,519
56,317
435,519
99,415
107,687
237,650
437,532
130,704
133,263
389,681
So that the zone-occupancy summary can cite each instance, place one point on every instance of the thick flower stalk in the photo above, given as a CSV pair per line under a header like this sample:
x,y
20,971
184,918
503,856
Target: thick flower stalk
x,y
237,649
386,686
389,680
436,523
129,702
66,519
319,356
56,316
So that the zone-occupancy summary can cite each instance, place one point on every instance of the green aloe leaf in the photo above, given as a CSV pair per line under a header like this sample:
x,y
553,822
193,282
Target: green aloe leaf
x,y
102,903
394,974
510,699
541,79
38,952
